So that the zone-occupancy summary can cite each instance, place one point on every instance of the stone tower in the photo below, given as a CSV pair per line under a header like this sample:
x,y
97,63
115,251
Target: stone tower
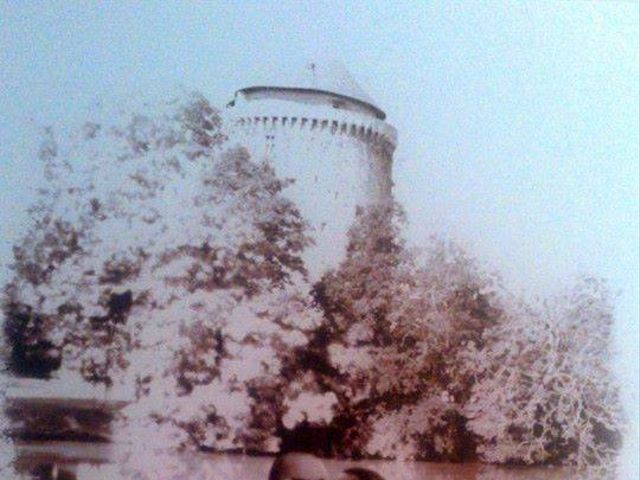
x,y
324,132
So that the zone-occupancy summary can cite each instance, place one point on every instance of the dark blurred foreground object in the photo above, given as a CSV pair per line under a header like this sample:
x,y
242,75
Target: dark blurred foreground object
x,y
358,473
52,472
298,466
304,466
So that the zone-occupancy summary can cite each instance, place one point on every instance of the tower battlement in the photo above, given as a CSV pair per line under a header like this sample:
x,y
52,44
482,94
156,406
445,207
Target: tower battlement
x,y
370,131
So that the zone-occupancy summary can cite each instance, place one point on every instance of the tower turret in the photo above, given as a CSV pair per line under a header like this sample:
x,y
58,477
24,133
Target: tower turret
x,y
323,131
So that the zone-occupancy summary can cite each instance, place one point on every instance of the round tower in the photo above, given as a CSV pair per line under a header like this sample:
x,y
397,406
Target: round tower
x,y
324,132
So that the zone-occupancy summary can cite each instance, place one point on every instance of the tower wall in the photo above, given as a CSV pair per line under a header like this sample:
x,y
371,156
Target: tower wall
x,y
339,159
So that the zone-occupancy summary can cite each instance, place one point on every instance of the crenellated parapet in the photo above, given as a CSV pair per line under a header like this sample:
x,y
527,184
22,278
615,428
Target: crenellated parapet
x,y
371,131
313,112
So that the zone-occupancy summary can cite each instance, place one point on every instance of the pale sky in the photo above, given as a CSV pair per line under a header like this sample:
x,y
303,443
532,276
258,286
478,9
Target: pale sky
x,y
518,122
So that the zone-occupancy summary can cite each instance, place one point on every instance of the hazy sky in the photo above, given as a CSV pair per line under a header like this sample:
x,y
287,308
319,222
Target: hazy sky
x,y
518,122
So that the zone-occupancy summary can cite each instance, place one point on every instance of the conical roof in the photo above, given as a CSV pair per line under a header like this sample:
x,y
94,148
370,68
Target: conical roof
x,y
330,77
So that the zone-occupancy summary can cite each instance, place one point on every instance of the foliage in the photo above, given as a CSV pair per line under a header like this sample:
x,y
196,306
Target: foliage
x,y
547,393
147,240
162,259
391,340
428,357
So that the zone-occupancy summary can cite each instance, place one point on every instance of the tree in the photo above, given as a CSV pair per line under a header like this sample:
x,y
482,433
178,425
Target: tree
x,y
146,240
443,316
359,301
547,393
391,339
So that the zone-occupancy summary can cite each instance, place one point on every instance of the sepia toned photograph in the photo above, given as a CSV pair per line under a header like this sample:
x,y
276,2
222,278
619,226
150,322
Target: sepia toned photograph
x,y
319,240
